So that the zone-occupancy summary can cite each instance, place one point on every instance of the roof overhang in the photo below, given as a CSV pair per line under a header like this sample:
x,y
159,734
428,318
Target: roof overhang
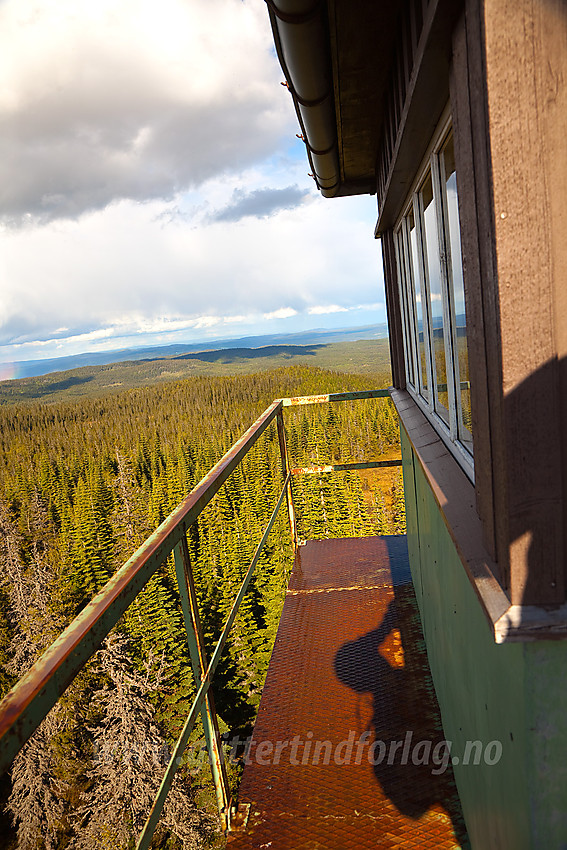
x,y
336,56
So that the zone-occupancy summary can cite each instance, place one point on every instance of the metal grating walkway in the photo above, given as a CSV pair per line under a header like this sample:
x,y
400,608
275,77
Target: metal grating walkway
x,y
348,679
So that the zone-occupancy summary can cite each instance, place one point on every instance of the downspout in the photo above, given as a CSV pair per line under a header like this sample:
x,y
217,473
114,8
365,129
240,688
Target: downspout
x,y
300,36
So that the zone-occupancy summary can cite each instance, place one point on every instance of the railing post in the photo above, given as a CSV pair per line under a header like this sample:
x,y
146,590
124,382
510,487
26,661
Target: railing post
x,y
285,468
199,663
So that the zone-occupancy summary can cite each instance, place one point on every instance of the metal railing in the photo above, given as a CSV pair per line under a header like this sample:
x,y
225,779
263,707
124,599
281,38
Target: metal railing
x,y
33,696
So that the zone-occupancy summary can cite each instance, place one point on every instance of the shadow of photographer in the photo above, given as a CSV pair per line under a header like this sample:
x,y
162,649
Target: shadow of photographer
x,y
406,746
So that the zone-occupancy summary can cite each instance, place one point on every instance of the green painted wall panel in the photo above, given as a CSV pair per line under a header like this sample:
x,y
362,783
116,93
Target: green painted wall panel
x,y
546,702
411,516
480,685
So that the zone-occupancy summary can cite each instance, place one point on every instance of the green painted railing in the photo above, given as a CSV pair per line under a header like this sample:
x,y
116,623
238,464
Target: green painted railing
x,y
33,696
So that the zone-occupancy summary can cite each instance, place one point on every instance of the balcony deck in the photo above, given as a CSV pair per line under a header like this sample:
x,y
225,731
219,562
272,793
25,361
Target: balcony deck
x,y
348,679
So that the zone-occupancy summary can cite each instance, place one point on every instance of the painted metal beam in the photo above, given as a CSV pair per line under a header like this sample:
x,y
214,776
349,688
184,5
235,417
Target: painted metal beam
x,y
322,399
342,467
285,468
197,652
177,755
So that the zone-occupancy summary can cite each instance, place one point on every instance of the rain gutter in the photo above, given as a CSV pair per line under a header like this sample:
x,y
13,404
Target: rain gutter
x,y
300,32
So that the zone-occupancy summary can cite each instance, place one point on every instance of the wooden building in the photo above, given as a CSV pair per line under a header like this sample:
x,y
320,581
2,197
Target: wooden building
x,y
455,115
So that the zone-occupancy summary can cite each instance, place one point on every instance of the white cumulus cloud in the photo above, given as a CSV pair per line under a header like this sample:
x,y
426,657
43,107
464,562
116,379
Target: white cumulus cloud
x,y
111,100
323,310
282,313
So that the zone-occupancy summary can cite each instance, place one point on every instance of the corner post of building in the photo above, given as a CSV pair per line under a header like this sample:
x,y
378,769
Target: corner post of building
x,y
470,126
395,333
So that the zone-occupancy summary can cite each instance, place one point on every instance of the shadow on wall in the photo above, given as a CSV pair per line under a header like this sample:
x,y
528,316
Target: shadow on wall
x,y
530,487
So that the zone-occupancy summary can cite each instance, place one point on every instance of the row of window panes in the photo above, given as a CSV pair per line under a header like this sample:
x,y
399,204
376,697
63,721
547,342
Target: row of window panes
x,y
428,248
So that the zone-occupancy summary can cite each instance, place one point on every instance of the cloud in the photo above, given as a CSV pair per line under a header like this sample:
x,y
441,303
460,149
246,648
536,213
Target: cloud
x,y
111,100
282,313
207,322
375,305
143,160
323,310
261,203
119,268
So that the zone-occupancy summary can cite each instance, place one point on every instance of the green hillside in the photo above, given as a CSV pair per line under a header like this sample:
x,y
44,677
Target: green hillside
x,y
363,357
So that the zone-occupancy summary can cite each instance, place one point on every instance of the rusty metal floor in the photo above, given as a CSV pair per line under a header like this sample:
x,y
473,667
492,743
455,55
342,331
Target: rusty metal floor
x,y
348,679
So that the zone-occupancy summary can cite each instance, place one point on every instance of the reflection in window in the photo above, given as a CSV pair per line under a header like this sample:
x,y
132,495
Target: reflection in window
x,y
462,353
433,265
419,306
406,314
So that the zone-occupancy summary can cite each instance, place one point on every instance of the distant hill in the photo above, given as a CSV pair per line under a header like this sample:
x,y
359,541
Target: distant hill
x,y
365,357
31,368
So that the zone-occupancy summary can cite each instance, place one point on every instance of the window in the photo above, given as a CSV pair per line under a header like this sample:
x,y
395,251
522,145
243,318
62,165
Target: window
x,y
428,254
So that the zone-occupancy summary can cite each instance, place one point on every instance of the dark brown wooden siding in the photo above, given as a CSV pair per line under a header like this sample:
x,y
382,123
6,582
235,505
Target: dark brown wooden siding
x,y
504,65
525,91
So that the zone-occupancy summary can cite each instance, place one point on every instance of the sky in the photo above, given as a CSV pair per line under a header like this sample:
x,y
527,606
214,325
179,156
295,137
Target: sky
x,y
153,190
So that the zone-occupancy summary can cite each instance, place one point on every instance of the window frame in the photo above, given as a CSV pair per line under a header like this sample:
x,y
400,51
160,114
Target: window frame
x,y
432,167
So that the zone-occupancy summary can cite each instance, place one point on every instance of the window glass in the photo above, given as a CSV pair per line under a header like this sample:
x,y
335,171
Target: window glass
x,y
433,265
412,336
428,252
405,290
462,353
419,307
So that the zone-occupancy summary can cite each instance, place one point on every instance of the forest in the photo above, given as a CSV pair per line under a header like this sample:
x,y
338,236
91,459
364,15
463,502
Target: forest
x,y
361,357
82,484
